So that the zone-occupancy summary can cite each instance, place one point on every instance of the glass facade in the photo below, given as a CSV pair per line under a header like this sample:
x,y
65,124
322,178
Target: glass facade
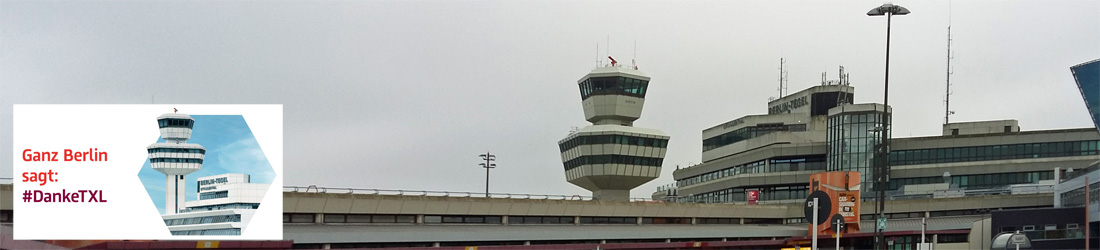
x,y
203,220
226,231
615,85
612,159
213,195
612,139
852,141
993,152
792,163
177,150
156,160
977,181
1087,76
748,133
176,123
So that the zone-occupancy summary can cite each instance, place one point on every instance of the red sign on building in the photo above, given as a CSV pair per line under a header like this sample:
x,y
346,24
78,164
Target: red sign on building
x,y
753,195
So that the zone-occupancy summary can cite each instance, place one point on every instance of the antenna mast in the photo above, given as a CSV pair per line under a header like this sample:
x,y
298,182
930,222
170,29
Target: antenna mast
x,y
782,78
598,61
947,92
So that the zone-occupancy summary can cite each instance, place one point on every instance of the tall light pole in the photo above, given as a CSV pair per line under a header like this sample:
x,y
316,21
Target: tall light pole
x,y
489,158
888,10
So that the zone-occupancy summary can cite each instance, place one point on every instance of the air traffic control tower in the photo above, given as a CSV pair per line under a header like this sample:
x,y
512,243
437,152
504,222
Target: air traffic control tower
x,y
175,158
611,156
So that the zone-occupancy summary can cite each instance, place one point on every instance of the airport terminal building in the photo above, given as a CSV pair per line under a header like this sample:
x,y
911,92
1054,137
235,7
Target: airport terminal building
x,y
814,131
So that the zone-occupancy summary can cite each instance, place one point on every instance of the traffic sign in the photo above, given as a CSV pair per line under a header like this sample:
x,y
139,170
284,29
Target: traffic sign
x,y
881,225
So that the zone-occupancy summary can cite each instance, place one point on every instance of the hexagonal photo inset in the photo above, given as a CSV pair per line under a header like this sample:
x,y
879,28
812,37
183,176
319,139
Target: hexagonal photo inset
x,y
206,174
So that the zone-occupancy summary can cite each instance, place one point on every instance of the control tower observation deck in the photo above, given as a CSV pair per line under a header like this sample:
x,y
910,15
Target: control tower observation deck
x,y
175,158
611,156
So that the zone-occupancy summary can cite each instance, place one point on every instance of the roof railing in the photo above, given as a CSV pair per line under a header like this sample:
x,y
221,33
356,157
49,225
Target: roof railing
x,y
375,191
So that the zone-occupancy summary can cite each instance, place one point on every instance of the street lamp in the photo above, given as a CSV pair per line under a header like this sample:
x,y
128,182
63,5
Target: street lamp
x,y
489,158
888,10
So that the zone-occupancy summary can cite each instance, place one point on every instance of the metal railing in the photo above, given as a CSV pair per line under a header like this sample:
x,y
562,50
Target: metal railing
x,y
1079,172
374,191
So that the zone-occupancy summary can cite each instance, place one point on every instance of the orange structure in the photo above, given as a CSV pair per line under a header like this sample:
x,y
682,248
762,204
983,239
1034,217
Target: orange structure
x,y
838,195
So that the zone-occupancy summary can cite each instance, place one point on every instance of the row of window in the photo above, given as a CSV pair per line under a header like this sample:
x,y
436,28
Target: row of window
x,y
748,133
612,159
1076,197
181,160
203,220
613,85
213,195
225,231
367,218
800,191
224,207
609,220
177,150
486,219
995,152
540,220
740,194
1049,231
176,123
802,163
612,139
463,219
978,181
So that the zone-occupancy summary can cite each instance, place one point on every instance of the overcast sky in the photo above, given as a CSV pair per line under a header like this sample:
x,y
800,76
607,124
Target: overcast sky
x,y
406,94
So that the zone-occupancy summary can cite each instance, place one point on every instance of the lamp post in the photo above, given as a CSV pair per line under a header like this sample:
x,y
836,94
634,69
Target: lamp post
x,y
489,158
888,10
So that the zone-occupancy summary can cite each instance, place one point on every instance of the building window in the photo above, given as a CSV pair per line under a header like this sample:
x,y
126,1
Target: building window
x,y
369,218
954,131
763,221
540,220
952,238
717,221
213,195
462,219
648,220
298,218
609,220
206,220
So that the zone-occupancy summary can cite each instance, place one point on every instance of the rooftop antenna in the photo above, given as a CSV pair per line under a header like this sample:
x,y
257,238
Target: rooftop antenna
x,y
598,61
842,98
947,92
782,78
633,61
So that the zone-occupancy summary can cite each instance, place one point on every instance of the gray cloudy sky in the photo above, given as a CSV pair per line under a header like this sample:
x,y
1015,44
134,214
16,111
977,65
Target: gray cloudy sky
x,y
405,95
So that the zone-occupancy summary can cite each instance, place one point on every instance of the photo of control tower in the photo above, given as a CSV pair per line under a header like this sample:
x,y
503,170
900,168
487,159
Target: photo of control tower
x,y
611,156
175,158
